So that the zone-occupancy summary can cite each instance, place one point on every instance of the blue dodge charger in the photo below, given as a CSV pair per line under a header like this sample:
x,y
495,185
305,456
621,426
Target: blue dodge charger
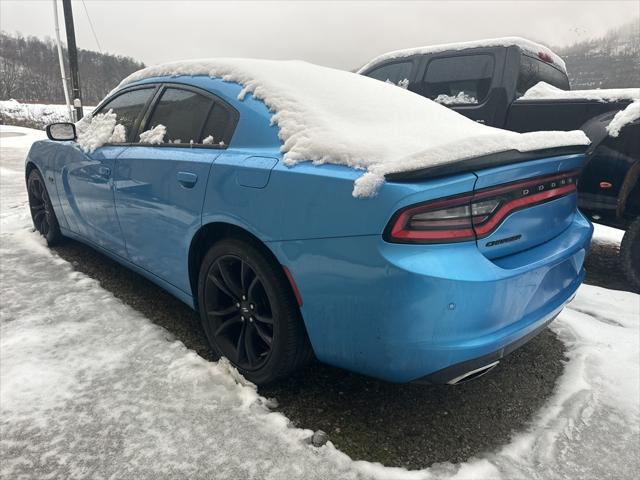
x,y
435,278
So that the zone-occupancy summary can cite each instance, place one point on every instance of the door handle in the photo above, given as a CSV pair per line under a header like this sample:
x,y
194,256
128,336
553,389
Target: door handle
x,y
187,179
104,171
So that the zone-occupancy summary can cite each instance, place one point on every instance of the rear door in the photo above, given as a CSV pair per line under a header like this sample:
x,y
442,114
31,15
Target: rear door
x,y
160,188
87,178
522,205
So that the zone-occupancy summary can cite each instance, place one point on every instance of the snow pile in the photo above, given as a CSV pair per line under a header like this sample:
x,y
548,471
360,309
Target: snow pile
x,y
95,131
327,115
460,98
624,117
92,389
544,91
154,136
34,114
525,45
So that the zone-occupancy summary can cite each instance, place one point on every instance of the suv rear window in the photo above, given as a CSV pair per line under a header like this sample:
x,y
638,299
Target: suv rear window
x,y
534,70
463,79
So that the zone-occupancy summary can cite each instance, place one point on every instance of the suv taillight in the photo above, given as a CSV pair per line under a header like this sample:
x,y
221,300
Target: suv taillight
x,y
471,216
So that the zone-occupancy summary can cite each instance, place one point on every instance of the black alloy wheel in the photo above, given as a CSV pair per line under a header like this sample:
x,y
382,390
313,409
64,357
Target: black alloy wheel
x,y
249,311
240,313
42,214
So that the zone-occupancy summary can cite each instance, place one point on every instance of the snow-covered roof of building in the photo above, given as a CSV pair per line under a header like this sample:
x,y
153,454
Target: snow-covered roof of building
x,y
528,46
544,91
332,116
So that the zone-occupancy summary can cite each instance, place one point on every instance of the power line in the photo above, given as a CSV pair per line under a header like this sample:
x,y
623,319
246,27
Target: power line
x,y
91,25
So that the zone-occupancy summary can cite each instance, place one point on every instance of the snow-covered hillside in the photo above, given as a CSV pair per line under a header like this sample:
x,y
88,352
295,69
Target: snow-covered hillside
x,y
33,115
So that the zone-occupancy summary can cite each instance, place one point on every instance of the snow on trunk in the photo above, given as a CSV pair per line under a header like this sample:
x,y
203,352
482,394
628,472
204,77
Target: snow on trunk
x,y
332,116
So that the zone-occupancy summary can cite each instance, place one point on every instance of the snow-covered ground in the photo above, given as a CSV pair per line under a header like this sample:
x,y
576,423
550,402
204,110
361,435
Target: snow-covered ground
x,y
89,388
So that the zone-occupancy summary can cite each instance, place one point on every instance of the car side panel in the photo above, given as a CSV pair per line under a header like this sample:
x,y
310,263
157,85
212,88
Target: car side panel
x,y
309,201
159,193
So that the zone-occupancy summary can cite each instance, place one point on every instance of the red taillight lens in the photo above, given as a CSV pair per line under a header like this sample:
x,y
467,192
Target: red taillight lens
x,y
476,215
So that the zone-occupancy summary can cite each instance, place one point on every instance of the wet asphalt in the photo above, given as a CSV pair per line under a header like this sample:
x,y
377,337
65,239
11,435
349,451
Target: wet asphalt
x,y
411,426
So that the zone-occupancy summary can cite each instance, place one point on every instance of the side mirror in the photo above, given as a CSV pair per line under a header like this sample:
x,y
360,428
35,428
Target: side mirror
x,y
61,131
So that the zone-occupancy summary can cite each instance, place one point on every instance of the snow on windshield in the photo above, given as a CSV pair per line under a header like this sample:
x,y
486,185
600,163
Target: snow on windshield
x,y
332,116
624,117
95,130
528,46
544,91
460,98
92,389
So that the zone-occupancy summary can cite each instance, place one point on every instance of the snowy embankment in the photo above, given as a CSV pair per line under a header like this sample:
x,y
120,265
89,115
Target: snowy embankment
x,y
326,115
34,115
91,389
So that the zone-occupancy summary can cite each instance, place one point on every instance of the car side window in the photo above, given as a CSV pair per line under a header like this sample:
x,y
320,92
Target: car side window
x,y
397,73
183,114
219,126
128,106
464,79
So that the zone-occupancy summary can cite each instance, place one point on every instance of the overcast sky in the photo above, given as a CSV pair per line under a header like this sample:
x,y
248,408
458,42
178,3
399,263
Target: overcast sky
x,y
342,34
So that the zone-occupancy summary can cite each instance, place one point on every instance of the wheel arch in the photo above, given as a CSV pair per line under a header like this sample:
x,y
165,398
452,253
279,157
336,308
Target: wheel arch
x,y
213,232
29,167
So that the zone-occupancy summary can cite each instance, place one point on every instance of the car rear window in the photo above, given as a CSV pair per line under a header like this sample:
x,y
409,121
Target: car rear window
x,y
534,70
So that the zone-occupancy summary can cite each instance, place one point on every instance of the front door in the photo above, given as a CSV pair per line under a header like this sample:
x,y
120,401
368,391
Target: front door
x,y
160,188
87,177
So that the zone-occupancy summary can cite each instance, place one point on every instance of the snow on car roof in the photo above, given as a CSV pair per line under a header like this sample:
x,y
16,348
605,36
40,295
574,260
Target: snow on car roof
x,y
326,115
544,91
528,46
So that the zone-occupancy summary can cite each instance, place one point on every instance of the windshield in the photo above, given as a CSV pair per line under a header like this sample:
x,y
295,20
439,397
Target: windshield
x,y
533,70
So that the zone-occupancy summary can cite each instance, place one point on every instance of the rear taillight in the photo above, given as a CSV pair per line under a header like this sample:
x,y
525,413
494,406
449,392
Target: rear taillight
x,y
471,216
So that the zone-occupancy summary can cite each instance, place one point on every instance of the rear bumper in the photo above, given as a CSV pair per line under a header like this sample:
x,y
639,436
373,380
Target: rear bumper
x,y
403,312
463,371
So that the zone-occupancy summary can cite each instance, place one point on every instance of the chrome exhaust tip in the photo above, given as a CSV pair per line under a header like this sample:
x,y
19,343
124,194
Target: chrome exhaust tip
x,y
473,374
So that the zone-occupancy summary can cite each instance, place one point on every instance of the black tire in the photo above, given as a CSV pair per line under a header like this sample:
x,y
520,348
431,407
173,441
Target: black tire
x,y
630,253
42,214
241,290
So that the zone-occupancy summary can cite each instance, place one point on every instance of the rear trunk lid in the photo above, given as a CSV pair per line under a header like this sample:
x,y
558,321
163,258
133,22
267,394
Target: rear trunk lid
x,y
530,203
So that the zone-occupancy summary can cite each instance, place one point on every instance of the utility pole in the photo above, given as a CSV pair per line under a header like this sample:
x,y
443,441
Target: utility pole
x,y
73,57
61,60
